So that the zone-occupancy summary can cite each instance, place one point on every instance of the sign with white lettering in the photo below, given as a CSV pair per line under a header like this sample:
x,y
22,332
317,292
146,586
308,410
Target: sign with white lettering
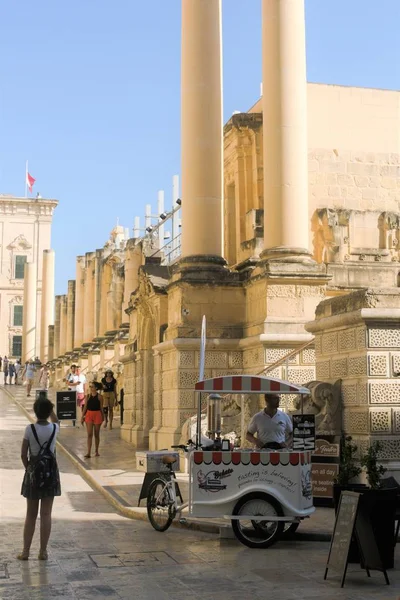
x,y
303,432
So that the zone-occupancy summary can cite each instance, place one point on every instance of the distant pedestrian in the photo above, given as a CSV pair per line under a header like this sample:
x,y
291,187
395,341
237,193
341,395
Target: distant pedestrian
x,y
5,369
93,416
71,378
17,371
41,480
79,385
11,372
44,378
29,375
1,362
109,396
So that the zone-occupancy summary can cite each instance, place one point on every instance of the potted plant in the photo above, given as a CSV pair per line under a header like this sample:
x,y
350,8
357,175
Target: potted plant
x,y
374,471
379,504
349,469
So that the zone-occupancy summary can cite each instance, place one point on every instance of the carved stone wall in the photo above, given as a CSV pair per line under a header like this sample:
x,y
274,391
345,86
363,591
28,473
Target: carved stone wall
x,y
358,340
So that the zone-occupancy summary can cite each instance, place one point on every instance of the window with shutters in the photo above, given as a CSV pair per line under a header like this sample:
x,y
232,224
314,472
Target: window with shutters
x,y
19,267
17,316
17,345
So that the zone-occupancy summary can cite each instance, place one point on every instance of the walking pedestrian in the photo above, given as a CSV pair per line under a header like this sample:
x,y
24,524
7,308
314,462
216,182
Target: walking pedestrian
x,y
44,378
17,372
1,362
79,385
5,369
40,484
11,372
93,416
29,375
109,396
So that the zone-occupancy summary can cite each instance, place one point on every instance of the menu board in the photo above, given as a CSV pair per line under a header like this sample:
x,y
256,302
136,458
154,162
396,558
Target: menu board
x,y
342,533
325,469
66,405
303,432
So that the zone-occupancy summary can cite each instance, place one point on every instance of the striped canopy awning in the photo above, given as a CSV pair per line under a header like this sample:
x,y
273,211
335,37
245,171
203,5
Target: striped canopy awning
x,y
248,384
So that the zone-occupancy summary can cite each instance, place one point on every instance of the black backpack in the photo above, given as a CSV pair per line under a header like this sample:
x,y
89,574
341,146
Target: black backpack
x,y
44,467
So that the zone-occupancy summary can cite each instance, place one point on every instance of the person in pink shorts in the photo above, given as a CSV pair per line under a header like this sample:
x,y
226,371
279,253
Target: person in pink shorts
x,y
93,416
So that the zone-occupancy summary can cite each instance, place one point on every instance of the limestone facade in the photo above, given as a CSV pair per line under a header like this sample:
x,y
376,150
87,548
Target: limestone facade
x,y
25,232
357,340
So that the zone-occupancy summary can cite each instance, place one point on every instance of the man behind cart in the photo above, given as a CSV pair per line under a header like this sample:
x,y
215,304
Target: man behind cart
x,y
272,426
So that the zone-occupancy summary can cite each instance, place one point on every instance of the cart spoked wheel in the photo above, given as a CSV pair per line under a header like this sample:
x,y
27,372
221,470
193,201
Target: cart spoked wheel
x,y
256,533
161,509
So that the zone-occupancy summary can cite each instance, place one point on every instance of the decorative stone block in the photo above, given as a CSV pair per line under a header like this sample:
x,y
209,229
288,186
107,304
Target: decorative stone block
x,y
346,340
384,393
396,421
275,373
216,373
323,370
188,379
318,345
301,375
339,367
357,365
378,365
362,392
187,399
253,358
380,420
390,449
361,337
355,421
272,355
216,360
387,337
329,343
349,393
186,359
235,360
308,356
395,364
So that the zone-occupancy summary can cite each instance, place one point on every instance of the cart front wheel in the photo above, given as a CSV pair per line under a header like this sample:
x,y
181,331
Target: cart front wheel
x,y
256,533
161,508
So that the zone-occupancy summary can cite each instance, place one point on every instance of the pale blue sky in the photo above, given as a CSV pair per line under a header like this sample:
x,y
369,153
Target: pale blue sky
x,y
89,93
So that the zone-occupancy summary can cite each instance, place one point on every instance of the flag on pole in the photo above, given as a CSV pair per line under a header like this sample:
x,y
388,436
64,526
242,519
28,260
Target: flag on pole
x,y
30,181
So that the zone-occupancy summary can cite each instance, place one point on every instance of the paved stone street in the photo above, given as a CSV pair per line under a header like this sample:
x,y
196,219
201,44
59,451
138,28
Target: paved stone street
x,y
96,553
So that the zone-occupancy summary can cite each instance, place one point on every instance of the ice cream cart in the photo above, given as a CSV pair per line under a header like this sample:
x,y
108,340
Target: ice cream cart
x,y
259,491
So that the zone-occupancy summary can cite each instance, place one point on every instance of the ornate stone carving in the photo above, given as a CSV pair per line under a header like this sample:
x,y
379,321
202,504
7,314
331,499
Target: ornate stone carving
x,y
389,226
378,365
325,404
355,421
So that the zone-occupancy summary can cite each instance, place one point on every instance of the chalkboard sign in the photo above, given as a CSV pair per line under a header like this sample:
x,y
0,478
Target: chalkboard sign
x,y
303,432
66,405
351,518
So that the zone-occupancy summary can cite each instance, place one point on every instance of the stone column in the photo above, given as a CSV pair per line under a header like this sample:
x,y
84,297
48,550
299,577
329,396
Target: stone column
x,y
133,262
201,90
57,323
70,315
51,342
63,325
285,128
29,312
79,301
89,308
47,310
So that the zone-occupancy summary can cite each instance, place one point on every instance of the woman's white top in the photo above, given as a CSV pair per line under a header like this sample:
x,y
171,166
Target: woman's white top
x,y
44,434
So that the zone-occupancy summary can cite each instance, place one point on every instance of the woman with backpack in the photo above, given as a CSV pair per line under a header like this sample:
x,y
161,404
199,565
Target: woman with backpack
x,y
41,480
93,416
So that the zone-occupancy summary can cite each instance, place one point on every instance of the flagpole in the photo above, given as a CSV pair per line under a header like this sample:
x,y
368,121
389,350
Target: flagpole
x,y
26,179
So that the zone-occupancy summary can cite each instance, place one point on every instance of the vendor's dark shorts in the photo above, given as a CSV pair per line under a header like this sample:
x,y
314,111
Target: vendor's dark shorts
x,y
273,446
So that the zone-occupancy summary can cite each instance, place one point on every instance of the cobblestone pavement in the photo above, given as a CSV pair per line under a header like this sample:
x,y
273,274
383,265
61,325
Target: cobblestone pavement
x,y
95,553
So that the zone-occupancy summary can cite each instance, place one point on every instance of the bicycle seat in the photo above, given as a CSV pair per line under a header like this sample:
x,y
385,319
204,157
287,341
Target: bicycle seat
x,y
169,460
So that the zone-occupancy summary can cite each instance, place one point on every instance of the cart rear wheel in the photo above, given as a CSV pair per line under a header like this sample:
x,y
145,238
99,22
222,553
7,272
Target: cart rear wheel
x,y
257,534
161,509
